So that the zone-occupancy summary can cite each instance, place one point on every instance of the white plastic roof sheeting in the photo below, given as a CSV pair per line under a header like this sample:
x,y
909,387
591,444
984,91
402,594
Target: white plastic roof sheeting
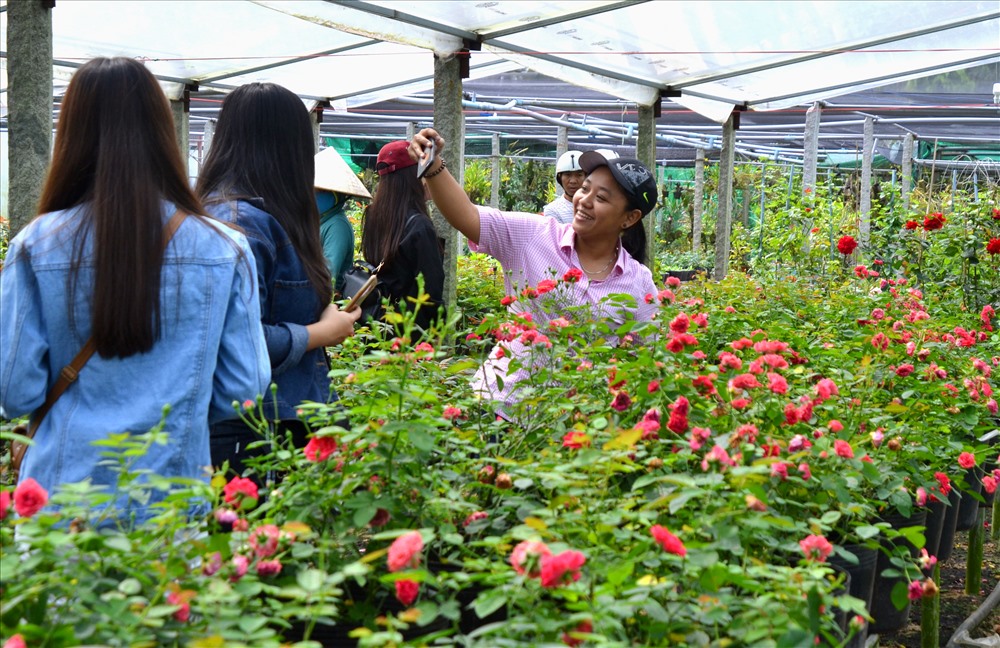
x,y
750,54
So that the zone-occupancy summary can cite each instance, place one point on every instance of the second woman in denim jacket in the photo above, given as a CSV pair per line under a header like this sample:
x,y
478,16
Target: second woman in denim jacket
x,y
259,176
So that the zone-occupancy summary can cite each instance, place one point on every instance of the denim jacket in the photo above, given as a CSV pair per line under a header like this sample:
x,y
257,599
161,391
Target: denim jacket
x,y
288,303
210,352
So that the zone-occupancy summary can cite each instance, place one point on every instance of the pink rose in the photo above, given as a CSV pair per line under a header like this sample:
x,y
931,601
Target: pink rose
x,y
240,565
179,599
670,543
527,555
561,568
268,567
264,540
16,641
405,551
816,547
966,460
843,449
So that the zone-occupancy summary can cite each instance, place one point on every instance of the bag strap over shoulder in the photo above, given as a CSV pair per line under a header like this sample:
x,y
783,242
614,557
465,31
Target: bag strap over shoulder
x,y
69,373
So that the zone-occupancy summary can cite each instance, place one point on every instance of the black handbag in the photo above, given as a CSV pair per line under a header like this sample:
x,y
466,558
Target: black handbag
x,y
354,279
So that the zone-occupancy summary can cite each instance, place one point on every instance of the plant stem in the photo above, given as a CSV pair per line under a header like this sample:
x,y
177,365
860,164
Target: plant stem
x,y
974,559
930,615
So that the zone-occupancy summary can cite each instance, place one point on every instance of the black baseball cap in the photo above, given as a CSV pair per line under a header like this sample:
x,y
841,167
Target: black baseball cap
x,y
630,174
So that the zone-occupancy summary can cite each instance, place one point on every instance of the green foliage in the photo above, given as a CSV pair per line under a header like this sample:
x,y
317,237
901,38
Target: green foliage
x,y
808,400
525,185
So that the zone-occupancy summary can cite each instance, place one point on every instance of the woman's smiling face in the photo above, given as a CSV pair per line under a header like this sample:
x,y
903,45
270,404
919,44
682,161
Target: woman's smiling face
x,y
600,207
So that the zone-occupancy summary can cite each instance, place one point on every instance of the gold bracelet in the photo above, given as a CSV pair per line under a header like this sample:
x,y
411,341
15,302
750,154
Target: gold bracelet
x,y
428,176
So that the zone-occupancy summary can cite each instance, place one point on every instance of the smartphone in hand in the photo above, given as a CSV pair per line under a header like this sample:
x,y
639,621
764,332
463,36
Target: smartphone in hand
x,y
363,292
430,153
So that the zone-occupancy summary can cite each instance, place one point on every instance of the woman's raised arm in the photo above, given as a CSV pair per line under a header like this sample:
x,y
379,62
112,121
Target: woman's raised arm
x,y
447,194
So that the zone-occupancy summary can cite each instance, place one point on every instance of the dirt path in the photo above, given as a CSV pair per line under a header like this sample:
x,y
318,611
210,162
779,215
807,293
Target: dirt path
x,y
956,605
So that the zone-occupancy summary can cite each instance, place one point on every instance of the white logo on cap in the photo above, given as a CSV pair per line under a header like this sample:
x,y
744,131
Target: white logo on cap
x,y
636,174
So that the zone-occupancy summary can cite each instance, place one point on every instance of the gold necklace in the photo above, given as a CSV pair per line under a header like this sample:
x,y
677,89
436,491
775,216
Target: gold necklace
x,y
606,266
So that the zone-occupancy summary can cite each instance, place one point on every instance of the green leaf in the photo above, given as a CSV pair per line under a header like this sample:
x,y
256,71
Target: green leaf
x,y
130,587
252,623
867,531
899,595
620,572
421,440
489,602
311,580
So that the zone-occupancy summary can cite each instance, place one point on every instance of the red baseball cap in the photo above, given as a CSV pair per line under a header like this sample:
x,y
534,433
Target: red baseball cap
x,y
394,157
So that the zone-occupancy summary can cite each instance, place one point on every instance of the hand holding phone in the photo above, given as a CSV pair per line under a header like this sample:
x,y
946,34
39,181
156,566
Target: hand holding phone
x,y
363,292
430,153
366,289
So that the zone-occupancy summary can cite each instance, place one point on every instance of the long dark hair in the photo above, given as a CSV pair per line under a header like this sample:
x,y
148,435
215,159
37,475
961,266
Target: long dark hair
x,y
634,241
397,195
116,150
263,148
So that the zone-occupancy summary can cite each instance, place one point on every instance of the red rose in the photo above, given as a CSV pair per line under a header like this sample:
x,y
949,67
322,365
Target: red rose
x,y
407,590
846,245
911,225
319,448
934,221
241,492
993,247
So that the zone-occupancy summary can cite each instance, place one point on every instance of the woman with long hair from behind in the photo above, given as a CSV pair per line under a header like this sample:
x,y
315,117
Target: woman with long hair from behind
x,y
259,175
174,322
397,232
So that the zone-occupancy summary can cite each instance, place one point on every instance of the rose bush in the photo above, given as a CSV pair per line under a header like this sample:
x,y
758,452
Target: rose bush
x,y
684,481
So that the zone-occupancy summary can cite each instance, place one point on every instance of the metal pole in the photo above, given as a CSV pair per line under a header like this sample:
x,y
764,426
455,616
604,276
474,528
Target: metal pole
x,y
495,172
864,232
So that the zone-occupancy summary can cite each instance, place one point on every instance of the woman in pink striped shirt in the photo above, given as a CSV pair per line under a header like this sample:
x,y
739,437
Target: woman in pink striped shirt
x,y
605,242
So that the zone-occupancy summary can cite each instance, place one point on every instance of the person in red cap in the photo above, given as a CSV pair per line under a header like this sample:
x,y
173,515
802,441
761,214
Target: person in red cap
x,y
397,232
603,245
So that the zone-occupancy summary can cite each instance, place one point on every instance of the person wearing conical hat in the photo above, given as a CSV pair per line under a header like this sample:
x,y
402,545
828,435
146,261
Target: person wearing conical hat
x,y
335,184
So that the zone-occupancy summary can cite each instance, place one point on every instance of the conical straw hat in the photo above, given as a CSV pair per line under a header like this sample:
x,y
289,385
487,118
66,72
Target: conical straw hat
x,y
333,174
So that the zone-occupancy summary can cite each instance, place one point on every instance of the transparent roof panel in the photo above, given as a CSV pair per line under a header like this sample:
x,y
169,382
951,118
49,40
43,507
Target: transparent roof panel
x,y
185,39
765,55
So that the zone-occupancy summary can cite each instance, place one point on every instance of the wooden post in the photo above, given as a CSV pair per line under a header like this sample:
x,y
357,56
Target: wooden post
x,y
29,92
723,219
449,120
697,208
495,172
646,152
864,231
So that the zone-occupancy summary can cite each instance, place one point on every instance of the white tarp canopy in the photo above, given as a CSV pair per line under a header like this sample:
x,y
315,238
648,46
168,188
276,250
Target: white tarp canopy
x,y
706,56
